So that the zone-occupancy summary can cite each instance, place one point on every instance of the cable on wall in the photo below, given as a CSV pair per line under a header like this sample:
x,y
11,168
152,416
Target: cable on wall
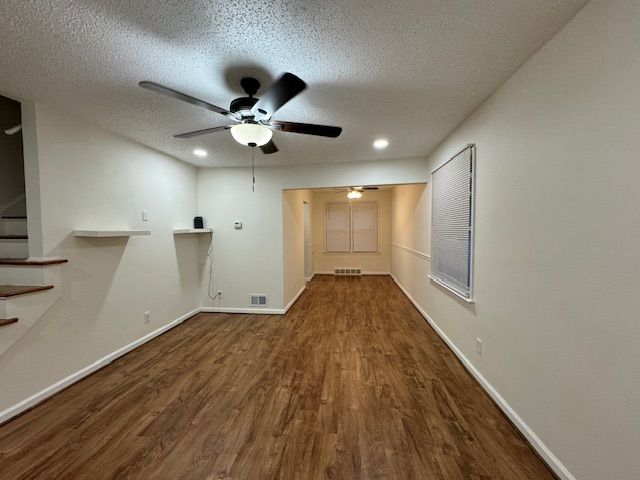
x,y
211,275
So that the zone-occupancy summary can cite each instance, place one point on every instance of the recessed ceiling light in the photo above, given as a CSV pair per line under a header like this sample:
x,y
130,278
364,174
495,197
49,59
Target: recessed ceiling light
x,y
198,152
381,143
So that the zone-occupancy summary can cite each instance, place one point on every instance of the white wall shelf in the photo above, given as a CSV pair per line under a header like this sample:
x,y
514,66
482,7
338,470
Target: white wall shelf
x,y
110,233
184,231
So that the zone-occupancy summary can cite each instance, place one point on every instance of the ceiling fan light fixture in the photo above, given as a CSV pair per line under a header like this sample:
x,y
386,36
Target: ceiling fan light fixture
x,y
354,194
251,133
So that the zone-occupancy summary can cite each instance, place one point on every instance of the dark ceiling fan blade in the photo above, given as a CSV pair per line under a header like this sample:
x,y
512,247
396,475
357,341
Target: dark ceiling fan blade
x,y
283,90
370,188
156,87
307,129
269,148
202,132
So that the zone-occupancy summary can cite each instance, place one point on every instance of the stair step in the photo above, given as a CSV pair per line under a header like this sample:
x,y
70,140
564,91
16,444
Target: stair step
x,y
7,321
7,291
32,263
14,237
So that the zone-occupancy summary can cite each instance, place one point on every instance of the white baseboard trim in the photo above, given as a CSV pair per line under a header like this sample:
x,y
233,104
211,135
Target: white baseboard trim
x,y
294,299
308,279
51,390
256,311
545,453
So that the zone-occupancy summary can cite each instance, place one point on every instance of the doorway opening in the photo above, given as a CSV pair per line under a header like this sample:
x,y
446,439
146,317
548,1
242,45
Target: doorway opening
x,y
13,204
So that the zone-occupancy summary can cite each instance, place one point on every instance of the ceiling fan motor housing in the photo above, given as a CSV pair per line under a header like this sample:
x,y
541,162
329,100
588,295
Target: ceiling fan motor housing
x,y
243,106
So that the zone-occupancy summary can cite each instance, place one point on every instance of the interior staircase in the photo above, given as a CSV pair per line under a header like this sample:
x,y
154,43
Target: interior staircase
x,y
28,289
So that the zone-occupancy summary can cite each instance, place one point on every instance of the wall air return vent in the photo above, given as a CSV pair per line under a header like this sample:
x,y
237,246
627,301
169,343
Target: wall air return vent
x,y
257,300
347,271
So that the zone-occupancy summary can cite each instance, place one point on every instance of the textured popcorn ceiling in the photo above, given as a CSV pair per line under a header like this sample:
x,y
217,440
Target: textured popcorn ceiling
x,y
407,70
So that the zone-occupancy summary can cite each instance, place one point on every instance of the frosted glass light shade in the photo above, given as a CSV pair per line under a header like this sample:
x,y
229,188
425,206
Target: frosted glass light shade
x,y
353,194
247,133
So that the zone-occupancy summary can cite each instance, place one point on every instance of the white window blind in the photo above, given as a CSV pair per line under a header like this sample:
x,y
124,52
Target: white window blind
x,y
338,227
365,226
351,227
452,223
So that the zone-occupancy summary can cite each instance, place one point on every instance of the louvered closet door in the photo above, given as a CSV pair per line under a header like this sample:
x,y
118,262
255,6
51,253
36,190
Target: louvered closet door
x,y
452,223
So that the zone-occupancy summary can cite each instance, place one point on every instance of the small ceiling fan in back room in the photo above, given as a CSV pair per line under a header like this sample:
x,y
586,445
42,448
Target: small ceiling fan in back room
x,y
252,117
353,193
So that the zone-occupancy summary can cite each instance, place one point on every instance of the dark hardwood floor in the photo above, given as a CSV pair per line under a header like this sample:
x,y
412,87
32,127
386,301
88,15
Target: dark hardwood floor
x,y
350,384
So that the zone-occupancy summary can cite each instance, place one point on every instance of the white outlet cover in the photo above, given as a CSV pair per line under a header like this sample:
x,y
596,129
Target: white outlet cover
x,y
478,346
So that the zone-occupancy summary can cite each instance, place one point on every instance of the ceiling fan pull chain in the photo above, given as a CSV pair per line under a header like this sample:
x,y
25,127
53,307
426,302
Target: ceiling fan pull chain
x,y
253,169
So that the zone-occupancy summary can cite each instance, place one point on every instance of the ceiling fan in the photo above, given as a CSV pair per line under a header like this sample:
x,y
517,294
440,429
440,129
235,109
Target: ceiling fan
x,y
253,125
354,192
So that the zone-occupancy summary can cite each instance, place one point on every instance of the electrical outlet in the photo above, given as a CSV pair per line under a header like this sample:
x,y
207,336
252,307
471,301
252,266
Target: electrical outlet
x,y
145,216
147,316
478,346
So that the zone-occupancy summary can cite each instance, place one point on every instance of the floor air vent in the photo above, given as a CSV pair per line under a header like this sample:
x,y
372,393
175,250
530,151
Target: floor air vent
x,y
347,271
258,300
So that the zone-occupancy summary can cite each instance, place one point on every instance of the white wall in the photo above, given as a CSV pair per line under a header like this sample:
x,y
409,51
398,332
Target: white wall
x,y
557,225
89,179
251,260
369,262
411,217
293,240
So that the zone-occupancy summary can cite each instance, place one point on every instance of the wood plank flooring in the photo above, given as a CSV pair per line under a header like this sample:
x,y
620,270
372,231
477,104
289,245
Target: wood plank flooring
x,y
350,384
